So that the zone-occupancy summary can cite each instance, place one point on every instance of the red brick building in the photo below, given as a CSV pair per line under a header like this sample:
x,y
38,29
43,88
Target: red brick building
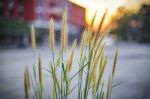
x,y
43,10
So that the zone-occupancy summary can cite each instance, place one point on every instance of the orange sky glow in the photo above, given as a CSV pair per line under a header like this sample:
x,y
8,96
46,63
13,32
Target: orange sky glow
x,y
101,5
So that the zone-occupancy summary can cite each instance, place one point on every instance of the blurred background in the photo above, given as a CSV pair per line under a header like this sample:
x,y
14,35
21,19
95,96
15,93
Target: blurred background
x,y
130,32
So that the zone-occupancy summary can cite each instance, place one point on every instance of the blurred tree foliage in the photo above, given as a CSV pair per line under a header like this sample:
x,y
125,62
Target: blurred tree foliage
x,y
144,14
15,31
124,18
13,27
121,19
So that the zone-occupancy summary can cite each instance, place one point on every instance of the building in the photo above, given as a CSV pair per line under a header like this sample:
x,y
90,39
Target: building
x,y
39,12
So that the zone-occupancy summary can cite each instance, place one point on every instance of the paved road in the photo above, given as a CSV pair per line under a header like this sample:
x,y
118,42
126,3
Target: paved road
x,y
133,69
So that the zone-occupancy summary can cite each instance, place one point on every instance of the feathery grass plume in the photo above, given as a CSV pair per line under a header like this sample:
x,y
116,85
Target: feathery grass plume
x,y
102,21
70,60
96,41
58,61
96,36
108,88
26,86
52,36
89,34
95,62
82,46
28,78
40,70
96,45
64,32
89,39
33,38
101,71
85,33
26,83
40,84
100,61
93,69
115,62
93,20
100,55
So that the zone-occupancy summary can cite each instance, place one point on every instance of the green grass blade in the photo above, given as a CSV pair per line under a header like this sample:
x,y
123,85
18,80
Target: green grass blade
x,y
78,71
115,62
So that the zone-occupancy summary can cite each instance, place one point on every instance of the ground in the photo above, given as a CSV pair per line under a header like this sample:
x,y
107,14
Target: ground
x,y
133,70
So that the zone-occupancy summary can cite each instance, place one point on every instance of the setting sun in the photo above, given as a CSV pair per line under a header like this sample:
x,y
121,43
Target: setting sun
x,y
100,6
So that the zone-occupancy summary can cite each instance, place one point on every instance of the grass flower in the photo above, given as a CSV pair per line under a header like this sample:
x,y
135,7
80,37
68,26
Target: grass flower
x,y
82,45
92,64
33,38
52,36
70,60
64,32
58,61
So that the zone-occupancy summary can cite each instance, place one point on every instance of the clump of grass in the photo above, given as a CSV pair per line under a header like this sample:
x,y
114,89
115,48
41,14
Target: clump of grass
x,y
92,64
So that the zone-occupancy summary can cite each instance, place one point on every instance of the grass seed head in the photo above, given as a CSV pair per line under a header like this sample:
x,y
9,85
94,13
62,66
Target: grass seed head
x,y
70,60
58,61
33,38
93,20
82,46
52,36
89,36
64,32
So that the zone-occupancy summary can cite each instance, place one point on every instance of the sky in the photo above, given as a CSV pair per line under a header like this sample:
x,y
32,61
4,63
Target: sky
x,y
135,3
101,5
113,3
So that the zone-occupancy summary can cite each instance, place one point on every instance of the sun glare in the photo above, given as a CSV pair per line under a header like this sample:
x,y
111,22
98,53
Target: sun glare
x,y
100,6
89,16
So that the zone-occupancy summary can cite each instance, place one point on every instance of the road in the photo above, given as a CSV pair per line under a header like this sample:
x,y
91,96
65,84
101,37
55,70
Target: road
x,y
133,70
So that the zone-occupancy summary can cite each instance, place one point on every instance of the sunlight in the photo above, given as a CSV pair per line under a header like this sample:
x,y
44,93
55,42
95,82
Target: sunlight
x,y
100,6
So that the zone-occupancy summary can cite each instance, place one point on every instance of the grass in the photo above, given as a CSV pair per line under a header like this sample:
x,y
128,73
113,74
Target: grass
x,y
92,64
